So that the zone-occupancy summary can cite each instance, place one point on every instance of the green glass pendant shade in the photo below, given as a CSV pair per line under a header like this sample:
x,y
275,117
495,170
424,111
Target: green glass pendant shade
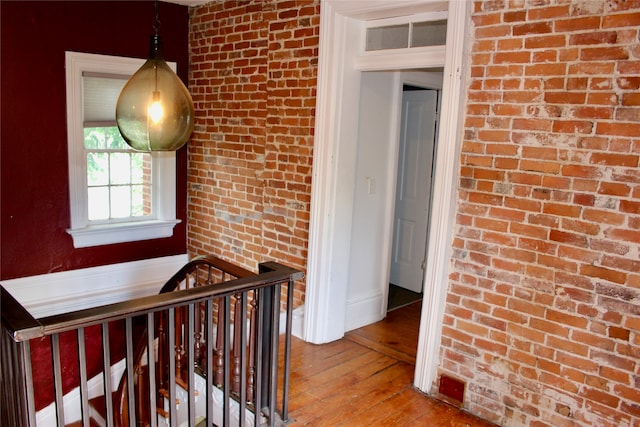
x,y
155,111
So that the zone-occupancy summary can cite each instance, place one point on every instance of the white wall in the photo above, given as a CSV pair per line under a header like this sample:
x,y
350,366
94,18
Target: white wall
x,y
373,198
65,291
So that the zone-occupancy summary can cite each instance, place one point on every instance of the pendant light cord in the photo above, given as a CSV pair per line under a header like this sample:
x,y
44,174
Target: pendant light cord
x,y
156,23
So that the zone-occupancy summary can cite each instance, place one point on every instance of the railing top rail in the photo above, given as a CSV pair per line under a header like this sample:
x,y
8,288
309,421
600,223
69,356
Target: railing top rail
x,y
23,326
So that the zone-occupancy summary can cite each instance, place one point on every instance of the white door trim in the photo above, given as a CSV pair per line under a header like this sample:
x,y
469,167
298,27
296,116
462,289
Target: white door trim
x,y
332,189
443,198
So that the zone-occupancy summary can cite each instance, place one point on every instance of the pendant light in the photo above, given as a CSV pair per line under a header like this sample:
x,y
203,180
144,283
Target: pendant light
x,y
155,111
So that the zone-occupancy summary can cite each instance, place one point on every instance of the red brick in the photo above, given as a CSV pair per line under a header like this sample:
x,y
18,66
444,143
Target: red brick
x,y
600,397
580,171
514,16
621,20
565,97
631,99
545,56
572,126
493,31
540,166
532,124
597,37
557,69
516,57
611,159
506,109
568,238
603,273
595,68
603,216
630,206
577,24
510,44
562,210
545,42
614,189
629,67
591,112
532,28
605,98
628,82
547,12
604,53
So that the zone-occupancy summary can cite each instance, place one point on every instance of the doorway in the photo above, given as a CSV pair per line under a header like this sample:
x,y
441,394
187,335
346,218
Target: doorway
x,y
374,173
340,69
417,142
413,187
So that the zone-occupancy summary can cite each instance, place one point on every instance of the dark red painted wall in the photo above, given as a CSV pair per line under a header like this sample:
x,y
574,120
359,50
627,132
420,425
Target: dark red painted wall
x,y
33,135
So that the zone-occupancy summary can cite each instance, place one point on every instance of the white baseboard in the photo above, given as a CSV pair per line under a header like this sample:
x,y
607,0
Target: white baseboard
x,y
364,311
65,291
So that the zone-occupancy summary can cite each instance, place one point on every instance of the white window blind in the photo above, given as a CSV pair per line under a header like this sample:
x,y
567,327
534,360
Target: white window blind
x,y
100,94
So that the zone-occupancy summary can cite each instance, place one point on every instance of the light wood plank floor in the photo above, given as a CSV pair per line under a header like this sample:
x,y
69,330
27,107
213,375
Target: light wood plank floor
x,y
366,379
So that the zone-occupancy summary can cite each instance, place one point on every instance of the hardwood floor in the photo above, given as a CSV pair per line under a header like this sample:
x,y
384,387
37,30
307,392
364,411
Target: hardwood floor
x,y
366,379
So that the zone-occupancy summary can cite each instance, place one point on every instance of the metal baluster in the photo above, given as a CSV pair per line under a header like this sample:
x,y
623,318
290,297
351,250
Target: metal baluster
x,y
191,364
82,368
151,363
219,370
227,360
259,358
197,348
287,353
275,334
237,327
57,378
173,413
252,350
28,373
130,371
209,361
243,355
106,372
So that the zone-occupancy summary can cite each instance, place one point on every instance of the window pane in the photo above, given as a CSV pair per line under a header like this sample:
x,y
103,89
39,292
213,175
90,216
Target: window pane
x,y
97,169
98,203
94,138
391,37
430,33
137,200
120,168
120,202
140,168
115,140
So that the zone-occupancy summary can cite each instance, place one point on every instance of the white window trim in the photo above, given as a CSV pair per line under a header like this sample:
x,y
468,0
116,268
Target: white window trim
x,y
83,233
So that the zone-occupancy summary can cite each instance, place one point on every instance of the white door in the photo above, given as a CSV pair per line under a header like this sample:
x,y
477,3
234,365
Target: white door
x,y
413,191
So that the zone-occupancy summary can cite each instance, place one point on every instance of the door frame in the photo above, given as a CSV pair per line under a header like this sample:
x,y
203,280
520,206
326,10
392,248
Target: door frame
x,y
334,156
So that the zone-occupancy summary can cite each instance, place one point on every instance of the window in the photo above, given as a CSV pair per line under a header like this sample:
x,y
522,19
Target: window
x,y
405,32
117,194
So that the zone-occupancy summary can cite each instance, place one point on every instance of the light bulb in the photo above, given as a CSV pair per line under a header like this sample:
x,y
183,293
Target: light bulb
x,y
155,111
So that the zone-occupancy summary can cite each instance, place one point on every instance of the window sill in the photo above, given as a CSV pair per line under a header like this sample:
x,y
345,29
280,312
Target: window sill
x,y
108,234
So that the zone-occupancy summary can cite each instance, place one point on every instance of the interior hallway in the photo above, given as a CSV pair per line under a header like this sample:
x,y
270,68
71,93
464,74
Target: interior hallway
x,y
366,379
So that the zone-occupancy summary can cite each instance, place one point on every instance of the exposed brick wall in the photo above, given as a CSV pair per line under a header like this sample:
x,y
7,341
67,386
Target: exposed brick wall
x,y
543,311
253,78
